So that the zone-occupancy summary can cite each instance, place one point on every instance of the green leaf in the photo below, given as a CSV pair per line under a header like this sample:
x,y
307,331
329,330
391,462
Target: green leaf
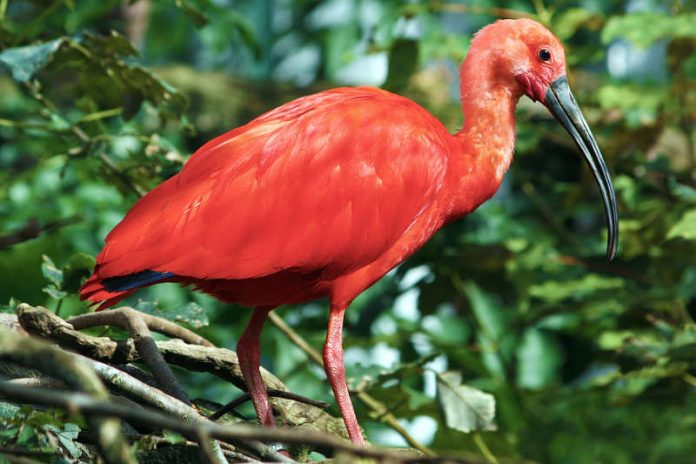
x,y
51,272
464,408
405,370
27,435
681,191
148,307
101,68
646,28
67,437
172,437
54,292
8,410
191,314
539,359
25,62
556,291
568,23
403,401
9,307
492,320
639,104
685,227
80,265
487,311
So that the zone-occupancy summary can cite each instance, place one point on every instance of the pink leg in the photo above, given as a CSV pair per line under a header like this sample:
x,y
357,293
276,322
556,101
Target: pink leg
x,y
249,355
336,372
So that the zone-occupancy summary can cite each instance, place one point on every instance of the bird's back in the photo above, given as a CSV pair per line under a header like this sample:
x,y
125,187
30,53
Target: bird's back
x,y
310,191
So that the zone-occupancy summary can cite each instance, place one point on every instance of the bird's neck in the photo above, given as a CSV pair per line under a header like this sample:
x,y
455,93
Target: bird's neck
x,y
486,143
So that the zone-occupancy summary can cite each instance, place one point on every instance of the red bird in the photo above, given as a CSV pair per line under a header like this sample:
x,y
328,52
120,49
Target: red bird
x,y
324,195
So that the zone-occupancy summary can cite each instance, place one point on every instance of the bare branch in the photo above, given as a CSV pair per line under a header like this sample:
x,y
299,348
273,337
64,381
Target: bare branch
x,y
42,382
157,324
297,339
217,361
135,323
33,229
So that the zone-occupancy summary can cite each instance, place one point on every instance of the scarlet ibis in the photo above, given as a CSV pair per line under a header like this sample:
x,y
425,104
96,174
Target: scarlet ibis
x,y
323,195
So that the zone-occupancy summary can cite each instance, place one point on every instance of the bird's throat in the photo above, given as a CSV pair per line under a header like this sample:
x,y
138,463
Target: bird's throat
x,y
486,143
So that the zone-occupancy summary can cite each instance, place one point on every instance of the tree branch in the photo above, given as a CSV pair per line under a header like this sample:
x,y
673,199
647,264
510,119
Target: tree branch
x,y
32,230
157,324
217,361
135,323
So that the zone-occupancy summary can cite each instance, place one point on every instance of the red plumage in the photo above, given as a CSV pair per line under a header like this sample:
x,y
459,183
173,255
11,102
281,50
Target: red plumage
x,y
324,195
281,209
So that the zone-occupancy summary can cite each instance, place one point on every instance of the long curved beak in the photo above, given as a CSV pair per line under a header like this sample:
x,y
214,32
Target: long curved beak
x,y
560,101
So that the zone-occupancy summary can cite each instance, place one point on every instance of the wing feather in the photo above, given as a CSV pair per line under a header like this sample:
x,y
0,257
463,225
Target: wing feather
x,y
327,182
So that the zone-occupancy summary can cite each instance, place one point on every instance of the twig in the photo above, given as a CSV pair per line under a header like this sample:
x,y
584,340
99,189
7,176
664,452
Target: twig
x,y
59,364
163,326
78,402
235,403
203,438
137,189
32,230
478,439
136,389
97,115
134,322
43,382
297,339
139,390
368,400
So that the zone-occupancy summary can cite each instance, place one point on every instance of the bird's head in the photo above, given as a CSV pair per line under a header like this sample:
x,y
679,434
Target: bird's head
x,y
529,60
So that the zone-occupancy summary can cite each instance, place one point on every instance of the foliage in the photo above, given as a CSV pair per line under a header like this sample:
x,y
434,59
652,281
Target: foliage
x,y
587,360
46,434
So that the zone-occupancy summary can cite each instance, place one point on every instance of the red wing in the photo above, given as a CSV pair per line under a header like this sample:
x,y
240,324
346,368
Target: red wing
x,y
325,183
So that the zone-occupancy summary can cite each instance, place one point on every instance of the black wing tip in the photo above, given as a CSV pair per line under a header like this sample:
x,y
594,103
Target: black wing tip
x,y
135,280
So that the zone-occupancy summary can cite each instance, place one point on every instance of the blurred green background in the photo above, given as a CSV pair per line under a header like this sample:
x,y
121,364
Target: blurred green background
x,y
588,360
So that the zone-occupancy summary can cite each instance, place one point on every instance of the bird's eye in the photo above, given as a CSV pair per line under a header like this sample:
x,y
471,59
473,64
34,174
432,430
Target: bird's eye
x,y
544,54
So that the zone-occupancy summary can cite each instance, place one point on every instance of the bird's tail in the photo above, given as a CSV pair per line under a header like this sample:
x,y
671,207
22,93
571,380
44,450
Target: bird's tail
x,y
107,291
93,290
